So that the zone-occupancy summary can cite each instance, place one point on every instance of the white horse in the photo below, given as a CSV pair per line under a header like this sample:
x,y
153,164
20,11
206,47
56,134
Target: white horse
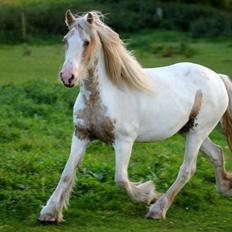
x,y
120,103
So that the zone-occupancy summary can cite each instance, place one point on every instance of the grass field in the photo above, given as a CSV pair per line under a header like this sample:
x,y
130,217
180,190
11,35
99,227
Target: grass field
x,y
35,134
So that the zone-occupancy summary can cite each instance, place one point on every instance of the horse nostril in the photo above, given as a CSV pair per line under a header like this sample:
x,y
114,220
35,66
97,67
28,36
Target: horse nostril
x,y
71,79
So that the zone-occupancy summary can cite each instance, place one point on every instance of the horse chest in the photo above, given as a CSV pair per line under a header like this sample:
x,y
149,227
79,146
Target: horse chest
x,y
93,123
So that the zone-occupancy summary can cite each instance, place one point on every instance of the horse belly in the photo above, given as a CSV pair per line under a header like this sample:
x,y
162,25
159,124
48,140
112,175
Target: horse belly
x,y
163,119
158,130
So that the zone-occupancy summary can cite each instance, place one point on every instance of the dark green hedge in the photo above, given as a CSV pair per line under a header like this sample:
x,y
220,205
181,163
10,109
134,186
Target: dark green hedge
x,y
197,19
47,19
42,20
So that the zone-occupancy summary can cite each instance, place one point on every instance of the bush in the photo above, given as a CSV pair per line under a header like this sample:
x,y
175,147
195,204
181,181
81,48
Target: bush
x,y
42,20
47,18
10,27
210,27
173,50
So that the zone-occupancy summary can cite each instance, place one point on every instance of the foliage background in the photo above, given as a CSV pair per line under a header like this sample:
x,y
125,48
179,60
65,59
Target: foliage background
x,y
45,18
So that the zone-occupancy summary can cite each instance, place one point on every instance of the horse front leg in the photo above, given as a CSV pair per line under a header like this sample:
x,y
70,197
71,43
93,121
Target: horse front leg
x,y
144,192
52,212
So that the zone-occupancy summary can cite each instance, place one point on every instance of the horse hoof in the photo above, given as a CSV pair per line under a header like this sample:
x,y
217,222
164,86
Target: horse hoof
x,y
155,215
47,219
48,216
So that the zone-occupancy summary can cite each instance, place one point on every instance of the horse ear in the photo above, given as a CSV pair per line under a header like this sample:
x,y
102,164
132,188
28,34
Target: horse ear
x,y
69,18
90,18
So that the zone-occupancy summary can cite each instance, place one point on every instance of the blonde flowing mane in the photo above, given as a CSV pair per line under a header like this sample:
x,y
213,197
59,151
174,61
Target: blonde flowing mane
x,y
121,65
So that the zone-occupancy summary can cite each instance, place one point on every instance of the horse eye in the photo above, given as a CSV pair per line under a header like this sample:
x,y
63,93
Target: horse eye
x,y
86,43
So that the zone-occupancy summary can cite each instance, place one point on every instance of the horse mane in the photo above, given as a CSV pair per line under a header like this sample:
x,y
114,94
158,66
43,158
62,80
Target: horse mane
x,y
120,63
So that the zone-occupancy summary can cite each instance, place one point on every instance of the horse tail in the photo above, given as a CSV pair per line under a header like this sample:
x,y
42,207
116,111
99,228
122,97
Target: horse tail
x,y
226,120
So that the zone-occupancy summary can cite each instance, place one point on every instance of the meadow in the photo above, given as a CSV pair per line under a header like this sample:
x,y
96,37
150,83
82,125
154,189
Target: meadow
x,y
35,135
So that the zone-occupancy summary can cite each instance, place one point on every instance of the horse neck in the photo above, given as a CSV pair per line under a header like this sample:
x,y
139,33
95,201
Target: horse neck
x,y
96,82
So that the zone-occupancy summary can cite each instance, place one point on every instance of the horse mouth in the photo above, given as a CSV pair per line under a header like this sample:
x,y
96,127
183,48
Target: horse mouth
x,y
68,85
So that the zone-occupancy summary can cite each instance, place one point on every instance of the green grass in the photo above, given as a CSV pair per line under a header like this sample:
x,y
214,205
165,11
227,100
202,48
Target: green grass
x,y
35,134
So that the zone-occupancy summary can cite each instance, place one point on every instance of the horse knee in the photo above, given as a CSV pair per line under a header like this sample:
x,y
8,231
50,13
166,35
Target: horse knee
x,y
218,157
67,177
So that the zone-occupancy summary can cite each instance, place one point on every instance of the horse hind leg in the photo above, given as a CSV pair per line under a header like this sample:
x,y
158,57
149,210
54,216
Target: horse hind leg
x,y
159,209
216,157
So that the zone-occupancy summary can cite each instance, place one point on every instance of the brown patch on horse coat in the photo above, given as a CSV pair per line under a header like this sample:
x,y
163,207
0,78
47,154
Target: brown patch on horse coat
x,y
88,51
172,196
88,48
96,124
81,133
227,177
194,112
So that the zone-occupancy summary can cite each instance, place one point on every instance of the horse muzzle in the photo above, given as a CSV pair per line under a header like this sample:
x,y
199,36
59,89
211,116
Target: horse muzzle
x,y
68,81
